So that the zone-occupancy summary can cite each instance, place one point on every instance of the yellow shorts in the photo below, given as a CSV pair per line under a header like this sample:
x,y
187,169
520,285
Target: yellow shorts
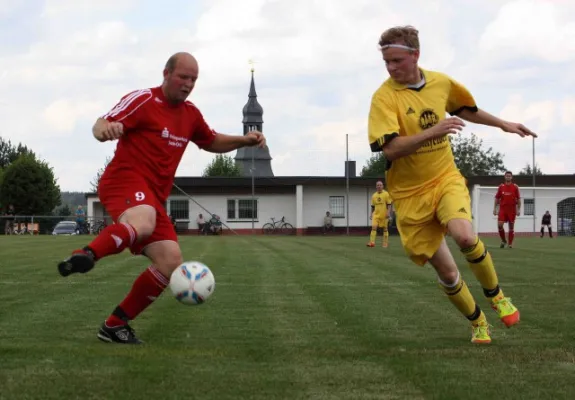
x,y
381,221
422,219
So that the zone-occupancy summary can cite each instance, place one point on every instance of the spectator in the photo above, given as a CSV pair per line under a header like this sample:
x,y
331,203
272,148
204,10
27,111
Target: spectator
x,y
201,223
215,224
80,220
328,223
10,217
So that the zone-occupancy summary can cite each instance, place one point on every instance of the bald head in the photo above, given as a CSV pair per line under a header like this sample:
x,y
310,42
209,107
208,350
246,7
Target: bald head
x,y
181,57
180,75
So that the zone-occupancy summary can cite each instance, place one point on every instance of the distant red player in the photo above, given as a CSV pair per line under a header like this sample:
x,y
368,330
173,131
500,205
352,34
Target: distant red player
x,y
153,127
509,201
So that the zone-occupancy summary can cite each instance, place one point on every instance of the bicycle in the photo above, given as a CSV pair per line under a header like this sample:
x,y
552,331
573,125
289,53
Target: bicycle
x,y
96,227
284,228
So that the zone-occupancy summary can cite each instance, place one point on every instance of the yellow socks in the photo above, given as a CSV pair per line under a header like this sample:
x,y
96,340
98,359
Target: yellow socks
x,y
461,297
385,236
482,266
372,236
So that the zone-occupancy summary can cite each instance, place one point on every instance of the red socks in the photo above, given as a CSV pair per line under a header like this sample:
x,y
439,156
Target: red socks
x,y
502,234
511,236
147,287
113,240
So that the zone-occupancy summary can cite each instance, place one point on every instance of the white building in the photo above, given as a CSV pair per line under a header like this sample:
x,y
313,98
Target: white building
x,y
303,201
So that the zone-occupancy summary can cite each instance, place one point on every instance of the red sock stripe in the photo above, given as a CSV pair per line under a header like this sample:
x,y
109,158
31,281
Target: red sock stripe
x,y
161,280
132,233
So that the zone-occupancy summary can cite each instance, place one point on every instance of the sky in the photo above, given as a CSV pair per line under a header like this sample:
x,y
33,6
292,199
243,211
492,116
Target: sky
x,y
317,64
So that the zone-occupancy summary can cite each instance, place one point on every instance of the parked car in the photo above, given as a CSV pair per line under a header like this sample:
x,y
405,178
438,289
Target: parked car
x,y
65,228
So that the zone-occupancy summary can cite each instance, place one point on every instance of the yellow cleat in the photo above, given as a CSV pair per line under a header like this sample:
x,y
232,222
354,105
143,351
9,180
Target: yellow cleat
x,y
507,312
480,333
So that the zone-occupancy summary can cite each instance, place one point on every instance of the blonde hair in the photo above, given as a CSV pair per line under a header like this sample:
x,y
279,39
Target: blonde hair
x,y
406,35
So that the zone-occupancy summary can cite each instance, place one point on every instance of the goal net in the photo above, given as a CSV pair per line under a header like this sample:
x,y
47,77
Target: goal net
x,y
535,201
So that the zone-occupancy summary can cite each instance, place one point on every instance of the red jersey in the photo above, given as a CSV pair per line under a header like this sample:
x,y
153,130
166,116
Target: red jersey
x,y
508,195
156,134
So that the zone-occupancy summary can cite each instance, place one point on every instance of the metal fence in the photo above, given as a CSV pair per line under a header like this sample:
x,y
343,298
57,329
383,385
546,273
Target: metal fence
x,y
51,224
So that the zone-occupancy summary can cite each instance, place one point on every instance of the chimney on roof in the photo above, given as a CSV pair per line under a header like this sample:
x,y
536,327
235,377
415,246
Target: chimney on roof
x,y
349,169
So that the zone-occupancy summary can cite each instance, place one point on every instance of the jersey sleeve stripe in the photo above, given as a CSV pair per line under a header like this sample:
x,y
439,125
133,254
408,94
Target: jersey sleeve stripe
x,y
122,104
473,109
134,100
128,100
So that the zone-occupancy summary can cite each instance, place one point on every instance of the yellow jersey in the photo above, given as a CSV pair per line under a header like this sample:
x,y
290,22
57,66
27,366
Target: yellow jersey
x,y
399,110
379,203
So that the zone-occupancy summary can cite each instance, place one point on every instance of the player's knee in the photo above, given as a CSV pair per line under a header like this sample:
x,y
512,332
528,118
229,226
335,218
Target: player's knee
x,y
466,240
449,277
172,261
166,256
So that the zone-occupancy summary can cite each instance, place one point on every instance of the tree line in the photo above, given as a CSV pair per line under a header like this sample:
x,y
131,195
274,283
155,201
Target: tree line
x,y
471,157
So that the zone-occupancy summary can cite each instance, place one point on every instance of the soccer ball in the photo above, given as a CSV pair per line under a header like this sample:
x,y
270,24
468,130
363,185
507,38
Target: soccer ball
x,y
192,283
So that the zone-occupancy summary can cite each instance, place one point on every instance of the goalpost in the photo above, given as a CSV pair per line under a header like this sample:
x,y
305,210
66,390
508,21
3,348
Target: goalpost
x,y
535,201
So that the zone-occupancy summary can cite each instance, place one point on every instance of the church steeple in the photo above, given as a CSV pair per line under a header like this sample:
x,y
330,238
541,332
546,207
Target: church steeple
x,y
253,111
253,120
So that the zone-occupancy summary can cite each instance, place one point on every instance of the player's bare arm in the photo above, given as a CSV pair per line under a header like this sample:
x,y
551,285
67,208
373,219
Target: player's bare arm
x,y
104,130
495,204
226,143
484,118
403,146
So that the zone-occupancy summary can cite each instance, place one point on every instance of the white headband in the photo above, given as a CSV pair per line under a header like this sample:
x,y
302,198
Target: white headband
x,y
397,46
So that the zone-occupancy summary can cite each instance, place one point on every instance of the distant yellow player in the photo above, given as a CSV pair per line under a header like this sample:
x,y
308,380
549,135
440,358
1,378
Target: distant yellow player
x,y
380,212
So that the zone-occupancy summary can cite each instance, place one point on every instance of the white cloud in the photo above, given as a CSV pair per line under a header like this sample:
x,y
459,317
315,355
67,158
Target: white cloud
x,y
316,67
532,28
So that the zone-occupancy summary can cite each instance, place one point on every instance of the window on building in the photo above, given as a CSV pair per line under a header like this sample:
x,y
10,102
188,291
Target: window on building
x,y
231,209
337,206
180,209
242,209
528,206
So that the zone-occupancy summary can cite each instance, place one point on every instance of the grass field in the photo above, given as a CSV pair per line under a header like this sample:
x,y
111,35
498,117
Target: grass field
x,y
291,318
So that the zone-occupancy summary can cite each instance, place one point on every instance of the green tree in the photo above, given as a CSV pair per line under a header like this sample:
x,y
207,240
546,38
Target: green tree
x,y
473,159
527,170
96,180
222,165
30,185
64,211
375,166
9,153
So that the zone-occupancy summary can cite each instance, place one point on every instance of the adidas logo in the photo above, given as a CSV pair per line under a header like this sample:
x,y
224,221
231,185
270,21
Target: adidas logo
x,y
462,210
410,111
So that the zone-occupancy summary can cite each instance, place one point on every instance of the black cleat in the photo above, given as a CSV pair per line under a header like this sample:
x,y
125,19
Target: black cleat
x,y
81,261
123,334
502,245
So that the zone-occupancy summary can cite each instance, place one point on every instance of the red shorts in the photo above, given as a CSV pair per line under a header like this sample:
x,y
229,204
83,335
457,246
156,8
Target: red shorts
x,y
507,214
126,190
